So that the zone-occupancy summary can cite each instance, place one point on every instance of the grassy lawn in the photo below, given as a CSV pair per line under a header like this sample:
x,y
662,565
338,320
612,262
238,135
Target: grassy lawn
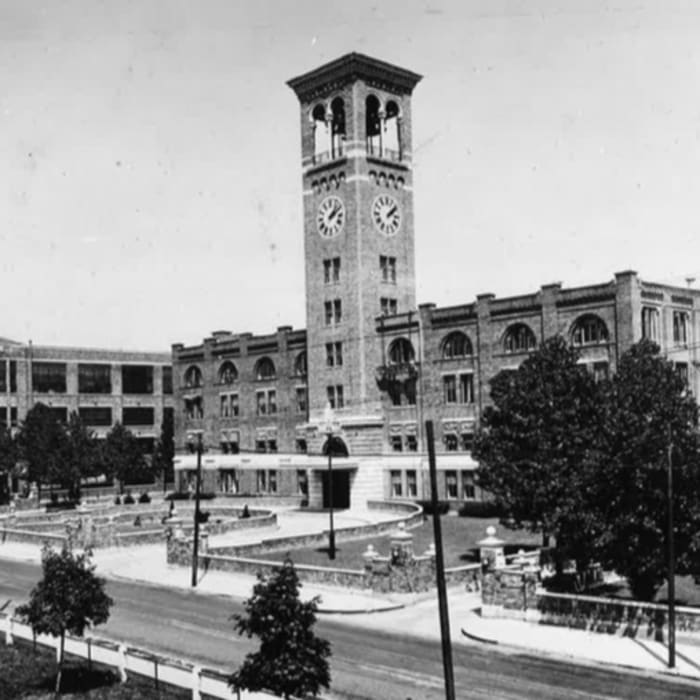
x,y
459,536
29,675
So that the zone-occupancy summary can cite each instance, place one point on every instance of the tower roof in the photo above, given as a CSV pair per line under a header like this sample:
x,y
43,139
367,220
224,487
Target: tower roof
x,y
351,67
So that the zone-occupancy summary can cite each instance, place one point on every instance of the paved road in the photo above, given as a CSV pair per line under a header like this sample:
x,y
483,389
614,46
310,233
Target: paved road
x,y
366,664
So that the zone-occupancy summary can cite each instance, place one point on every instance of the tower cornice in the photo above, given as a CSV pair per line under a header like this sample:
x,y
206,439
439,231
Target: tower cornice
x,y
350,67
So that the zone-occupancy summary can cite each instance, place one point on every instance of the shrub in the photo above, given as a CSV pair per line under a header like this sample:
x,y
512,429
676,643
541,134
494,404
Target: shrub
x,y
144,498
479,509
443,507
245,513
117,501
207,496
129,500
203,516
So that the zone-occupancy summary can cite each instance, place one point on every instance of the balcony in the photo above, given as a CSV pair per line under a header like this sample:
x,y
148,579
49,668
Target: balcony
x,y
387,375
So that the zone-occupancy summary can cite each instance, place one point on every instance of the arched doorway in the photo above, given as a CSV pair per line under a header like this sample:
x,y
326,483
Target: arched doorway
x,y
340,481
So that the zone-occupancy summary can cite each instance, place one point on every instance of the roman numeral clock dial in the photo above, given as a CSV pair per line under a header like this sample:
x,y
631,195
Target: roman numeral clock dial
x,y
386,214
331,217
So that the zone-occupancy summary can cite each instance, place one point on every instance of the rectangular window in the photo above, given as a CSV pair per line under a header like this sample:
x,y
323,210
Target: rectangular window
x,y
328,312
13,417
49,377
467,441
451,443
411,443
271,402
3,377
302,482
260,446
3,417
300,446
395,477
387,268
468,489
194,408
449,386
224,406
334,354
331,270
396,443
301,399
451,484
466,388
337,311
94,379
95,416
411,484
261,403
601,370
137,379
234,406
682,371
387,306
681,322
262,480
138,415
272,479
272,445
167,380
13,377
650,323
335,396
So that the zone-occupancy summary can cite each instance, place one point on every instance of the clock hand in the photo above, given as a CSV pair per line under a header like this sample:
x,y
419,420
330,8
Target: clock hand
x,y
391,211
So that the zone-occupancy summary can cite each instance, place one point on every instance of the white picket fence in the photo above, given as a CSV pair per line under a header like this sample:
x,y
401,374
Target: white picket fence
x,y
202,681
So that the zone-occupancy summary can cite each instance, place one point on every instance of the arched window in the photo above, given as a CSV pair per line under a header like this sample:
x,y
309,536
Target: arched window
x,y
337,127
519,338
456,344
265,369
401,352
650,323
300,364
589,330
228,373
193,377
373,125
392,134
320,131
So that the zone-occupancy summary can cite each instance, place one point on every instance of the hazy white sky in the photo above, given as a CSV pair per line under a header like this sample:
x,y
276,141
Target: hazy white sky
x,y
150,183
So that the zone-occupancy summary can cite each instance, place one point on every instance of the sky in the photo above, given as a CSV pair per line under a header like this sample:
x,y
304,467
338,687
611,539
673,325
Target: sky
x,y
150,171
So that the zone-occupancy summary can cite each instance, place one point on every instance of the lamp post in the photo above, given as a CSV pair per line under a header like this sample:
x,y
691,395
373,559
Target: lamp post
x,y
671,558
198,483
328,418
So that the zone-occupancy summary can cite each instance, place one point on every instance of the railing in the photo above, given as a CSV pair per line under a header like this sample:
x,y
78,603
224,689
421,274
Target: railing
x,y
327,156
384,153
201,681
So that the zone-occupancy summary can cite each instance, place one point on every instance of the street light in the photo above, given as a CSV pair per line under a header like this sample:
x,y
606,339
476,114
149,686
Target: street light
x,y
671,559
328,420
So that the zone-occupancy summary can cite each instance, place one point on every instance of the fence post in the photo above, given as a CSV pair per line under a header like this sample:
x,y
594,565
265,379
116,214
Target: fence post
x,y
122,663
8,630
196,677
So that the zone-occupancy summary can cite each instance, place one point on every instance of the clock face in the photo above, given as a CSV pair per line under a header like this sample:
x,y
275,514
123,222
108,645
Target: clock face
x,y
386,214
331,216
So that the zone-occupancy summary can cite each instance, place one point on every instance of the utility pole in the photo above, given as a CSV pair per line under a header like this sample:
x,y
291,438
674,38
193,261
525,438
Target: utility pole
x,y
671,559
440,570
198,484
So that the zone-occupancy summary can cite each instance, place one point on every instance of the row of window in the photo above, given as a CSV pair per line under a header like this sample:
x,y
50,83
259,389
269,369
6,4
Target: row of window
x,y
93,416
263,371
262,445
456,484
651,325
51,378
387,269
266,481
229,405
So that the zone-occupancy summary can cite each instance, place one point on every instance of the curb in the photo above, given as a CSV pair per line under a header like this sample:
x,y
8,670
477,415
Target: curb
x,y
477,638
366,611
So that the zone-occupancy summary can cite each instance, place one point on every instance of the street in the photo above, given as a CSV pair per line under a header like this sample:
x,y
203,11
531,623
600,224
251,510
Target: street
x,y
365,663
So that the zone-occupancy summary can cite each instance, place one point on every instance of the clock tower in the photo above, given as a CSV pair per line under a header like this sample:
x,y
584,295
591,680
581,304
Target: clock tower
x,y
358,232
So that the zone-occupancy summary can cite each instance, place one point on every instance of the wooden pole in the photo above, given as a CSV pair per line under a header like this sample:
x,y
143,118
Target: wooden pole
x,y
198,483
440,570
671,561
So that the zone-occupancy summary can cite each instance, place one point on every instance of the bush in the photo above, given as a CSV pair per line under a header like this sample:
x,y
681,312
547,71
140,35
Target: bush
x,y
144,498
443,507
480,509
117,501
203,516
129,500
178,496
207,496
245,513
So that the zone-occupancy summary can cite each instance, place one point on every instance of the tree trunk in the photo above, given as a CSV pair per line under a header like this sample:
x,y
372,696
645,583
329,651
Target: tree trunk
x,y
545,539
60,665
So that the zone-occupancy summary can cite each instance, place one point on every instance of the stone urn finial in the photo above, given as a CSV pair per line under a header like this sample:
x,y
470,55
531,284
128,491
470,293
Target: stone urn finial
x,y
491,552
369,555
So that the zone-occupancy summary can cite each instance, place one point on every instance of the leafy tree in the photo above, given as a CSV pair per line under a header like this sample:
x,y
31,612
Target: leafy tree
x,y
42,440
122,457
165,450
649,411
80,456
538,447
68,598
292,661
8,462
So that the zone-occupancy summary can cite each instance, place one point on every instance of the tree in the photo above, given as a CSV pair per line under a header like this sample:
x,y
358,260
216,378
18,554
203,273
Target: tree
x,y
8,462
68,598
649,411
122,457
80,456
41,440
165,450
538,447
292,661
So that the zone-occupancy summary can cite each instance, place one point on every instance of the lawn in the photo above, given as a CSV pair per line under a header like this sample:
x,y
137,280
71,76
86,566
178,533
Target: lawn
x,y
459,536
31,675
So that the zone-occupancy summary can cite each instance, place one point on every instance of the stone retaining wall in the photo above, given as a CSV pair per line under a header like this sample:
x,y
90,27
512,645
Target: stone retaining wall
x,y
29,537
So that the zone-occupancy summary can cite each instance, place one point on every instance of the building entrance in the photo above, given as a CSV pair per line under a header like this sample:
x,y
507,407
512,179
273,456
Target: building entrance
x,y
341,489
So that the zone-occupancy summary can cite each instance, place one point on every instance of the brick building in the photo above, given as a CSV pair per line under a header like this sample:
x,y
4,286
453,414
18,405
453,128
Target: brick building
x,y
103,386
384,365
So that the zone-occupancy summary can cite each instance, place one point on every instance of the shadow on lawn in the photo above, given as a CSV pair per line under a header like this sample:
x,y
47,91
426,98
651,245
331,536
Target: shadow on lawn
x,y
79,678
